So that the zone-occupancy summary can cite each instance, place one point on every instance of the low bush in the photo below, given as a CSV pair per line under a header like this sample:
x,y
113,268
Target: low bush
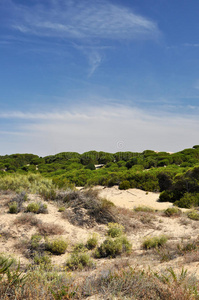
x,y
113,247
37,208
56,247
124,185
193,215
50,229
92,242
115,230
188,200
13,208
172,211
143,209
79,247
154,242
79,261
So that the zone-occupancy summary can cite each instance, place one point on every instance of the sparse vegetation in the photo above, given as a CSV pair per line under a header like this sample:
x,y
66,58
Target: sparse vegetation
x,y
79,261
154,242
115,230
57,246
172,211
113,247
193,215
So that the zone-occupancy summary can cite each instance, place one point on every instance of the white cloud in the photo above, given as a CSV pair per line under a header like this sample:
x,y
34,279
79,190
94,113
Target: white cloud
x,y
100,128
82,19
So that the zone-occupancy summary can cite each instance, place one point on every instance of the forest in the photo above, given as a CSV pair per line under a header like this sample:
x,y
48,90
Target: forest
x,y
174,175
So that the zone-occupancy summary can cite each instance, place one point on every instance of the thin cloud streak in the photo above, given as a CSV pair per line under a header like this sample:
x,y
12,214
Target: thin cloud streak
x,y
77,20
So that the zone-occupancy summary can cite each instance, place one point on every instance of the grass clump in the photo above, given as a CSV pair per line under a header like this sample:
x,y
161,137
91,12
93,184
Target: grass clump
x,y
50,229
172,211
61,209
193,215
56,247
154,242
113,247
37,208
13,208
79,261
115,230
28,219
92,242
143,209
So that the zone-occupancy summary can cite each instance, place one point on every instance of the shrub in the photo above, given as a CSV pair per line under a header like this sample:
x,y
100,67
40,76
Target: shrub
x,y
61,209
124,185
33,207
79,247
194,215
37,208
154,242
13,208
172,211
92,242
188,200
42,260
57,247
79,261
115,230
112,248
35,241
50,229
16,204
143,209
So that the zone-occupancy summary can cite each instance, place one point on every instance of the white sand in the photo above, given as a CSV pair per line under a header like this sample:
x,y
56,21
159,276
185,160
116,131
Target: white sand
x,y
132,198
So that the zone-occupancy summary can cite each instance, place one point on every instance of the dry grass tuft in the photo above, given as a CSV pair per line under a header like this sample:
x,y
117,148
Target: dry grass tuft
x,y
50,229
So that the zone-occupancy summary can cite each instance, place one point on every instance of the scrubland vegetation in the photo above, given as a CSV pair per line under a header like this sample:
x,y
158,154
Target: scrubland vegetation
x,y
60,243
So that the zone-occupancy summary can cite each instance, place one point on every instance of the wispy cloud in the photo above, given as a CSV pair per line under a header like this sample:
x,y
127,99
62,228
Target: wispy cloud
x,y
100,128
81,19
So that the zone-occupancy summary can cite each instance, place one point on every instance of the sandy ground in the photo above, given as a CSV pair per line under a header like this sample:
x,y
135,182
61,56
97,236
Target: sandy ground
x,y
132,198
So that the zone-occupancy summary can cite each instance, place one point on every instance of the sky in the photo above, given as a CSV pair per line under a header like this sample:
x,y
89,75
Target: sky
x,y
104,75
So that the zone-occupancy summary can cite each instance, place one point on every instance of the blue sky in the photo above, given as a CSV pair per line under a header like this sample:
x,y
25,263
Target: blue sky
x,y
80,75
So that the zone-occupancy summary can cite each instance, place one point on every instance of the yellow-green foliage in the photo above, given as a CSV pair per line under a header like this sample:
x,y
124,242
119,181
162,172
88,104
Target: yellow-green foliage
x,y
92,242
194,215
32,183
79,261
154,242
57,247
143,209
172,211
113,247
115,230
13,208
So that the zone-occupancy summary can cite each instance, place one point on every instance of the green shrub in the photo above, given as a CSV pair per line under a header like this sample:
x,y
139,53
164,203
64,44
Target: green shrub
x,y
188,200
33,207
92,242
79,261
57,247
13,208
172,211
143,209
113,247
42,260
79,247
154,242
36,208
35,241
194,215
124,185
61,209
115,230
